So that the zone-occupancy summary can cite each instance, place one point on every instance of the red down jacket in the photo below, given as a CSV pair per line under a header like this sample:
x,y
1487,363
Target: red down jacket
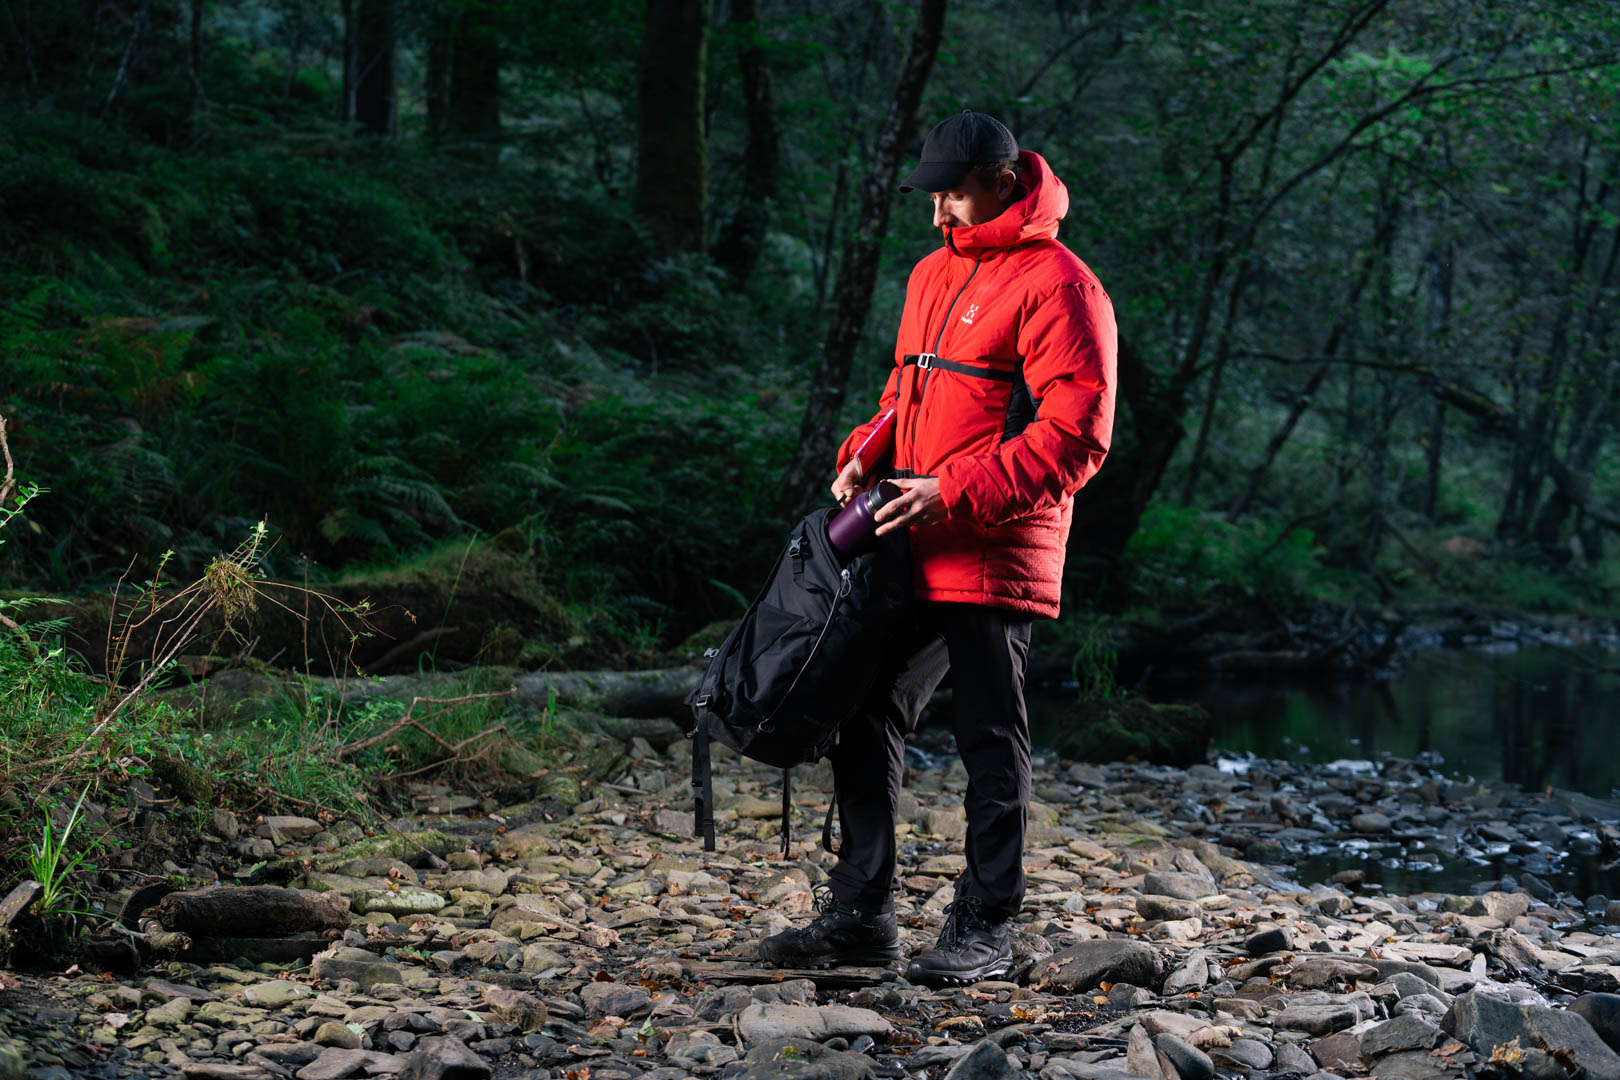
x,y
1011,405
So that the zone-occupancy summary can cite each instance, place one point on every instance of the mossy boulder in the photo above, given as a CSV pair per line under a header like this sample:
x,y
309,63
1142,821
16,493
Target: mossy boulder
x,y
1134,729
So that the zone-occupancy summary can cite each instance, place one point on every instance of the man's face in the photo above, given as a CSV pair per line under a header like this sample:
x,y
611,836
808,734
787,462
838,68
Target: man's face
x,y
973,201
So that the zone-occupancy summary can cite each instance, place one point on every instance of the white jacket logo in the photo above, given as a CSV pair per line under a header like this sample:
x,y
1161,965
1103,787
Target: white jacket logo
x,y
967,317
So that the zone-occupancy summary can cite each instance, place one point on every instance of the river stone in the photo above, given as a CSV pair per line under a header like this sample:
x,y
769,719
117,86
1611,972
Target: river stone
x,y
1180,886
489,881
949,823
1501,906
396,901
614,999
1407,1032
1244,1053
1602,1011
1085,964
762,1023
444,1057
332,1033
1141,1059
1291,1058
1189,1062
540,958
1167,907
1371,822
797,1059
292,828
1485,1022
1276,939
365,968
516,1008
178,990
335,1063
275,995
1340,1052
1193,974
171,1013
985,1061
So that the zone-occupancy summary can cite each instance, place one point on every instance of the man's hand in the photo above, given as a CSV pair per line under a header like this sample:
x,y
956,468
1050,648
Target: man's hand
x,y
920,505
849,482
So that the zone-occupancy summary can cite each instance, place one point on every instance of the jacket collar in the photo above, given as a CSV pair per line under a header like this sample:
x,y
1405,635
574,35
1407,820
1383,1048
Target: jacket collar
x,y
1034,216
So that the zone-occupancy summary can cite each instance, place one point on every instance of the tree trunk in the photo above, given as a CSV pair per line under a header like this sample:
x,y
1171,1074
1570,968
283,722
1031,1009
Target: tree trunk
x,y
1307,394
374,95
740,243
441,33
475,74
1223,352
1438,326
671,152
194,59
351,81
811,471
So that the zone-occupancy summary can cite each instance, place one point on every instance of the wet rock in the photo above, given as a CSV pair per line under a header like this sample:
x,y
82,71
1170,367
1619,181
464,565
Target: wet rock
x,y
1291,1058
1082,966
1602,1011
444,1057
765,1022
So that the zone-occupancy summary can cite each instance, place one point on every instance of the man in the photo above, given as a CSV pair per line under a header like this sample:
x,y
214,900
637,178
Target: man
x,y
1004,389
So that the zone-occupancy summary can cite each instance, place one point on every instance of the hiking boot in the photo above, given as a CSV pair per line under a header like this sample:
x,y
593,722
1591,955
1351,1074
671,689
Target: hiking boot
x,y
839,936
970,948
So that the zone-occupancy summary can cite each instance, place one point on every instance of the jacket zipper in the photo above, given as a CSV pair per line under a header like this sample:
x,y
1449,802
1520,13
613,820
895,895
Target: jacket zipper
x,y
922,388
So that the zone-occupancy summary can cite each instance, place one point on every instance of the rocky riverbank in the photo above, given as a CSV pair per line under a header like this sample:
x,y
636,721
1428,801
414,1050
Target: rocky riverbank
x,y
588,937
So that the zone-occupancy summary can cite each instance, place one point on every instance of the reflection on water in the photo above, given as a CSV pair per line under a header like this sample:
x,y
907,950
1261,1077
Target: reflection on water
x,y
1536,717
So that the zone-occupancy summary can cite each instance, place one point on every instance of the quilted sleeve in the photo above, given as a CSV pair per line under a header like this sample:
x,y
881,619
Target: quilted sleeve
x,y
1069,345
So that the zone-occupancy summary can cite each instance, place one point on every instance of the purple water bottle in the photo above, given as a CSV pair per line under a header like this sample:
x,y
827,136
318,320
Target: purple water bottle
x,y
853,529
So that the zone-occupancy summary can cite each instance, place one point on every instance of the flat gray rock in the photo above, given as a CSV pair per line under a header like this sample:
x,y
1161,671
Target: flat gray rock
x,y
761,1023
1409,1032
1082,966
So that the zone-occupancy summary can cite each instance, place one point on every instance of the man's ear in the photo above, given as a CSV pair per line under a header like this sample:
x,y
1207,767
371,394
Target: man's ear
x,y
1005,184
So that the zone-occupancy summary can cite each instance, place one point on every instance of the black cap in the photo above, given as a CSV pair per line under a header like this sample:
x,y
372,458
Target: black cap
x,y
955,146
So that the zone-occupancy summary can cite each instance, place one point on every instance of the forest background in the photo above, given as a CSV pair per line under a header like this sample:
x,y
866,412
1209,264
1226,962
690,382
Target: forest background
x,y
575,300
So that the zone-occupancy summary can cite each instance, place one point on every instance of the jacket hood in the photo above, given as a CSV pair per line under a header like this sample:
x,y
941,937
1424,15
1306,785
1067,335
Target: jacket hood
x,y
1033,217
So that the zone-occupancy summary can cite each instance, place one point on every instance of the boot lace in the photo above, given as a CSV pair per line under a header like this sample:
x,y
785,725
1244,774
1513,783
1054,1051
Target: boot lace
x,y
963,916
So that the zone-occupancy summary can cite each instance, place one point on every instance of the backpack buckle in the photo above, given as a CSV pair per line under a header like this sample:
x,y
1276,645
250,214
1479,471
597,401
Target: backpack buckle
x,y
698,703
926,360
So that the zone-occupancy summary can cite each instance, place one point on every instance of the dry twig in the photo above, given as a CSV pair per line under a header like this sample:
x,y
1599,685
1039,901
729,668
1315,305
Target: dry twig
x,y
442,705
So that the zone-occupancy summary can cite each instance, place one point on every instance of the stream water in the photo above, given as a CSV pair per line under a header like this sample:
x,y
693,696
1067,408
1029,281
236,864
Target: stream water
x,y
1537,717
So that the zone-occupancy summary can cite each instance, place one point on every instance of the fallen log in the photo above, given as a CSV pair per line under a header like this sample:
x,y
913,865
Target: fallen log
x,y
250,911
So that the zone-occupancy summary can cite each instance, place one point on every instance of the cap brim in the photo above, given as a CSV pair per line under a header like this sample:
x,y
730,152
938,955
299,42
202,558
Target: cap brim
x,y
936,176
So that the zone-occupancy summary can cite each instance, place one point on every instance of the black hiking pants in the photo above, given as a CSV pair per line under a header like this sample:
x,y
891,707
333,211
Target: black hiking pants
x,y
986,649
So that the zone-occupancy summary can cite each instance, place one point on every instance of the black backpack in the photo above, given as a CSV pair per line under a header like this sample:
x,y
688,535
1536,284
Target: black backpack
x,y
801,660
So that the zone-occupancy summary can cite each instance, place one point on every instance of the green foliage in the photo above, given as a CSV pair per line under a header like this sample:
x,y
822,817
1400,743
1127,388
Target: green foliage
x,y
1187,556
53,862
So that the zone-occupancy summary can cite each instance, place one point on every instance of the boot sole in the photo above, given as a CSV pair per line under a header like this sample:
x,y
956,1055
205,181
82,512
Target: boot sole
x,y
866,958
996,969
